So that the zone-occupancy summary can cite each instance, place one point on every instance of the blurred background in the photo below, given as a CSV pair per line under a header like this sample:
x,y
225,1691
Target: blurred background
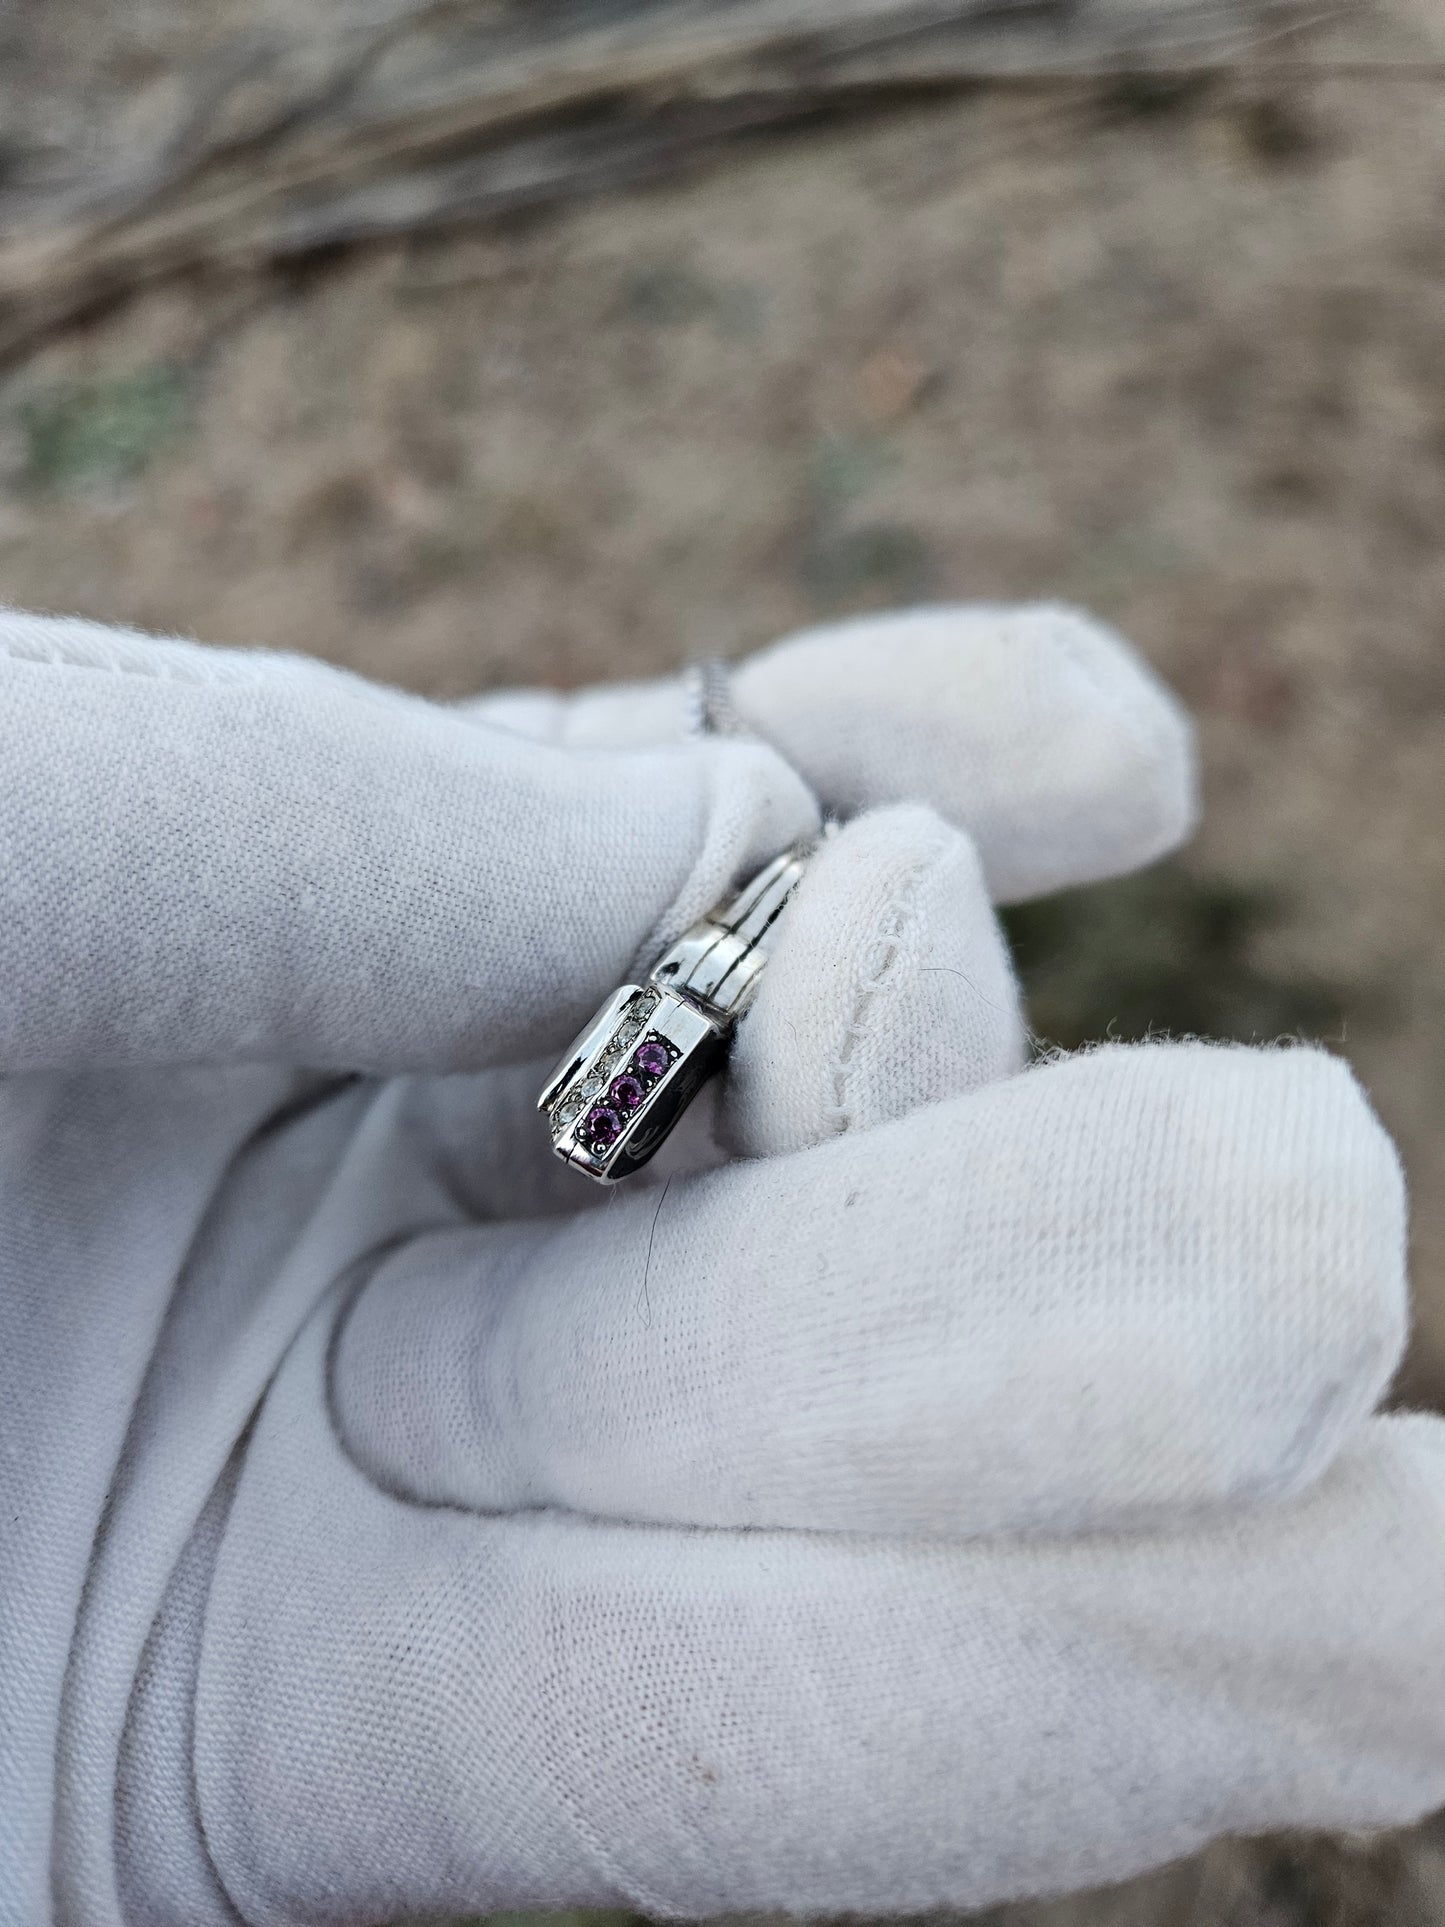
x,y
490,342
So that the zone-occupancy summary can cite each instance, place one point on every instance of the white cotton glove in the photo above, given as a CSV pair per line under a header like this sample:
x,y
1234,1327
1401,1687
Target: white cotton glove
x,y
968,1490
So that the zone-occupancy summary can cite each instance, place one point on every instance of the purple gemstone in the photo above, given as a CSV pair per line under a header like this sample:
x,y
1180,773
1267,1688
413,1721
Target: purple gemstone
x,y
626,1093
601,1126
651,1058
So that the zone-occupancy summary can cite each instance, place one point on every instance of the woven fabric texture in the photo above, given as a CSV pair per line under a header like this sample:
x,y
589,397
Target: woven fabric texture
x,y
942,1479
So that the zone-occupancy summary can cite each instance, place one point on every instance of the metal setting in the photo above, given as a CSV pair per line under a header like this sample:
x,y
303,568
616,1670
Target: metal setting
x,y
637,1066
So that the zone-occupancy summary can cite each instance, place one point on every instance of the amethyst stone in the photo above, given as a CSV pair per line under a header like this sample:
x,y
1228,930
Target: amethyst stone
x,y
601,1126
625,1092
651,1058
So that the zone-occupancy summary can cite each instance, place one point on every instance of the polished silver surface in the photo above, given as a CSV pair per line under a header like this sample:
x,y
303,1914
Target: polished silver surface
x,y
633,1070
716,964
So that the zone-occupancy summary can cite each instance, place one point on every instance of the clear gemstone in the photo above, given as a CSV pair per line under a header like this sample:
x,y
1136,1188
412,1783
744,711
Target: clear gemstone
x,y
592,1087
569,1108
609,1060
628,1033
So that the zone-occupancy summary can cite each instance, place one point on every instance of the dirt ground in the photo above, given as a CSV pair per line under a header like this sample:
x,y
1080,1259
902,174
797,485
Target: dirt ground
x,y
1175,352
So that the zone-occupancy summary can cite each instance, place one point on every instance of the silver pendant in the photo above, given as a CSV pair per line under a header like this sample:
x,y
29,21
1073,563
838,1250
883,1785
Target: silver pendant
x,y
639,1063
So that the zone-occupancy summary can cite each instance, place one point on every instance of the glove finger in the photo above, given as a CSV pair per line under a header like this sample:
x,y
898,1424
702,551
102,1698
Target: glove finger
x,y
1036,728
404,1709
889,986
1125,1284
211,857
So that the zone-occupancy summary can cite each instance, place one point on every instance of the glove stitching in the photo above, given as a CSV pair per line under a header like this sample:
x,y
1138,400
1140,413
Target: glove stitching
x,y
166,1648
1125,700
52,656
137,654
639,1896
893,938
1137,717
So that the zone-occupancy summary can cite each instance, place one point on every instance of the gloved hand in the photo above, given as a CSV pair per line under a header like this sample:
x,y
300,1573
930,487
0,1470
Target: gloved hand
x,y
968,1490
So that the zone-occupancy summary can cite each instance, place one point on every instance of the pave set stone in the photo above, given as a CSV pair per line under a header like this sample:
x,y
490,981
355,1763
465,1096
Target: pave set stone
x,y
626,1094
616,1086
